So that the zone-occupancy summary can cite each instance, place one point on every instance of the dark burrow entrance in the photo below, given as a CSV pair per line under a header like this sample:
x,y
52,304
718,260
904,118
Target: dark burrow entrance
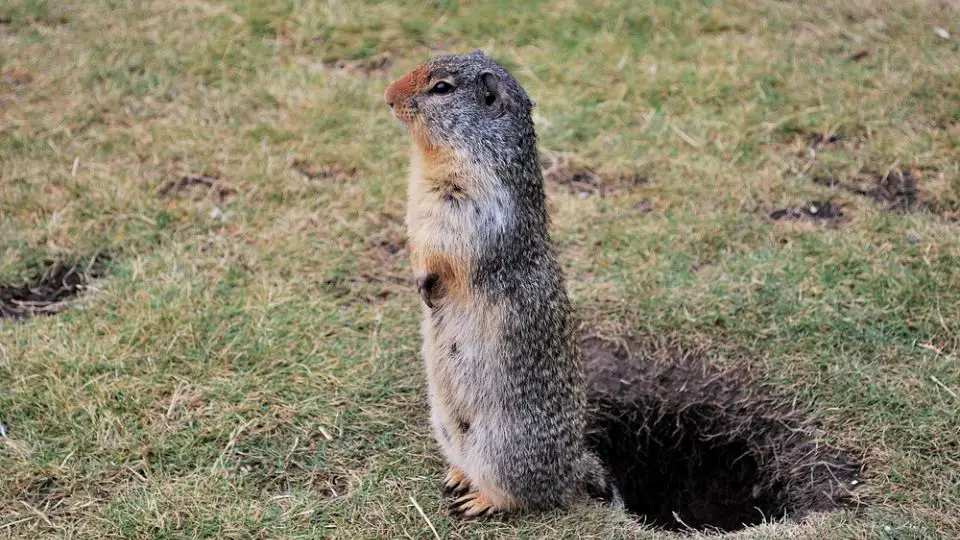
x,y
690,447
49,288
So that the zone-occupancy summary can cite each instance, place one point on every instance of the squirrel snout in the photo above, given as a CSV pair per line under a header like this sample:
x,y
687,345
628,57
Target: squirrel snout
x,y
406,86
393,95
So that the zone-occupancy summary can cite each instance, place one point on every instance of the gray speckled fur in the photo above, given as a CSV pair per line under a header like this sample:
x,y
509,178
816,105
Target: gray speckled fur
x,y
526,393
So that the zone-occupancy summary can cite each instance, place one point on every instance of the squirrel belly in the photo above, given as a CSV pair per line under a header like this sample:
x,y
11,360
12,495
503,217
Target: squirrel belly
x,y
504,374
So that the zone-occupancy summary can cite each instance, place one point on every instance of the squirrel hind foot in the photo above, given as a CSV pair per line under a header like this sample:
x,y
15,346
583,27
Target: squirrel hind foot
x,y
456,483
474,505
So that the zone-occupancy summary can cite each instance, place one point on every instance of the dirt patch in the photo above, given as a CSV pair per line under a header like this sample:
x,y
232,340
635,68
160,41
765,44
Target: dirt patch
x,y
810,211
38,15
322,172
824,140
42,491
383,269
371,287
645,206
896,189
586,182
50,289
693,447
387,244
17,77
271,478
387,258
368,287
902,189
858,55
198,186
806,143
333,484
365,67
388,251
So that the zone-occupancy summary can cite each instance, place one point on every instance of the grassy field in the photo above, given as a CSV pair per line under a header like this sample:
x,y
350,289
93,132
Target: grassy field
x,y
247,364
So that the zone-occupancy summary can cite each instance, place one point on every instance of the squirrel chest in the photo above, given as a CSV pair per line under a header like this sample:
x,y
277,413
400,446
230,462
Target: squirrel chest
x,y
452,212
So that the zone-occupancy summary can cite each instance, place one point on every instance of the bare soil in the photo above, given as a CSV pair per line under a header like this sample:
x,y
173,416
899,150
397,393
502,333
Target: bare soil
x,y
207,185
809,211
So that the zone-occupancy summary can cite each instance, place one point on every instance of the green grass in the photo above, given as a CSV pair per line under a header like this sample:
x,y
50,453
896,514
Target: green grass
x,y
250,368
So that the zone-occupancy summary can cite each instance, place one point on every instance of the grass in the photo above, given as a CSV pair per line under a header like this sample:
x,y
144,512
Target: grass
x,y
249,368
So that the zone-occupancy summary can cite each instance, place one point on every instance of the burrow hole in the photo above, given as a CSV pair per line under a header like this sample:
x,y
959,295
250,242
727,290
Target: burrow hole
x,y
50,287
694,448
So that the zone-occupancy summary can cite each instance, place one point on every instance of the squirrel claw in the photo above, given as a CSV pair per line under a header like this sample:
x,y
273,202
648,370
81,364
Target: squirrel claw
x,y
456,483
473,505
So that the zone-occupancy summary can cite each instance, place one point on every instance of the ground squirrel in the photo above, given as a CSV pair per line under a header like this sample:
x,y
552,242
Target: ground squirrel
x,y
505,376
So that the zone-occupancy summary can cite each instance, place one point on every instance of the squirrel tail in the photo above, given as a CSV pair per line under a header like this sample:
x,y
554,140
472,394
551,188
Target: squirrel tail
x,y
599,484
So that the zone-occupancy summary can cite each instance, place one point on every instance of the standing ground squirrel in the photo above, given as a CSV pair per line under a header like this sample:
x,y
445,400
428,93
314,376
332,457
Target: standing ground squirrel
x,y
504,372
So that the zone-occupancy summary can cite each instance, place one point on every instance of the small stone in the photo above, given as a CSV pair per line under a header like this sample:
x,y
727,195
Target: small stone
x,y
912,239
941,32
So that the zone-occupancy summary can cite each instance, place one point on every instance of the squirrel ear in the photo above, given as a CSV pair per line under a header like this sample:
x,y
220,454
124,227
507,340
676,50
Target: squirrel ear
x,y
491,92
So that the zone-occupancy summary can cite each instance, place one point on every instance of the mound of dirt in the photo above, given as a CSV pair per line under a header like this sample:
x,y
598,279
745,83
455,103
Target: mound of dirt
x,y
691,447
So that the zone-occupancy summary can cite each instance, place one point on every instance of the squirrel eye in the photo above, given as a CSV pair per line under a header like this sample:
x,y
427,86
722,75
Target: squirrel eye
x,y
442,87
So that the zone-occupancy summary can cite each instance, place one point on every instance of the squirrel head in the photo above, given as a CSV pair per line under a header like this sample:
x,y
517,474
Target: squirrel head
x,y
467,103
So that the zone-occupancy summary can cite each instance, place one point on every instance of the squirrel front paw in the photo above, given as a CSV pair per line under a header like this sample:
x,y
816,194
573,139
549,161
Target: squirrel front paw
x,y
428,285
456,483
473,505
